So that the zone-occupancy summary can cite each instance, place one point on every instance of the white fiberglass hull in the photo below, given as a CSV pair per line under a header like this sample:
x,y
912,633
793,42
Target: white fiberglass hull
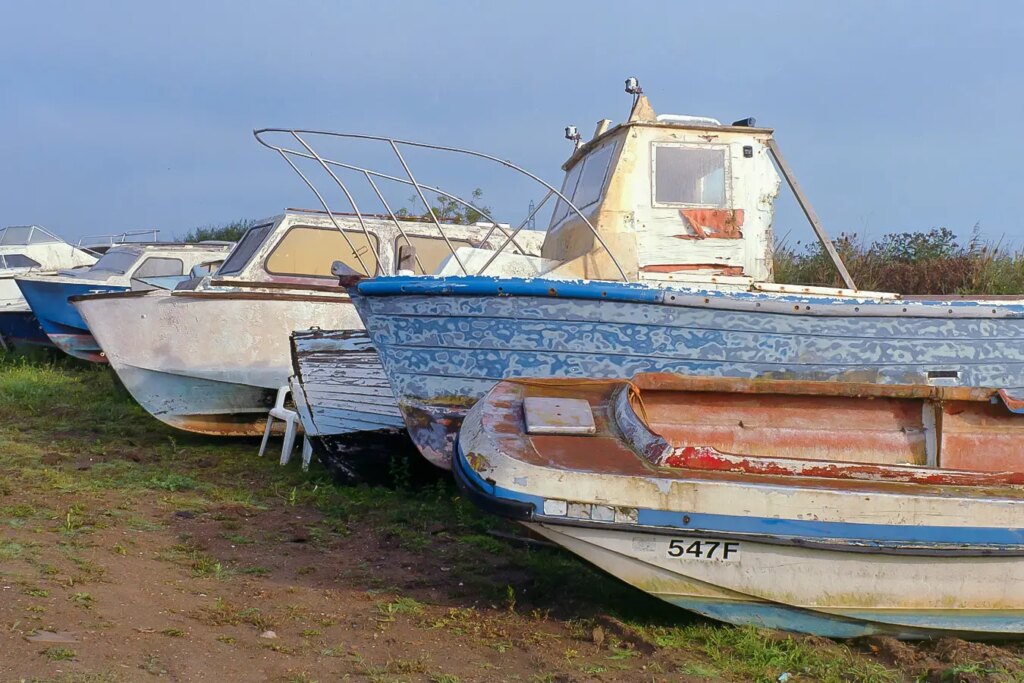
x,y
208,361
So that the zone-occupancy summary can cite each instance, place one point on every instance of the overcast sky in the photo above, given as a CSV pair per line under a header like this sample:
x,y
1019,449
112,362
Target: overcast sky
x,y
119,115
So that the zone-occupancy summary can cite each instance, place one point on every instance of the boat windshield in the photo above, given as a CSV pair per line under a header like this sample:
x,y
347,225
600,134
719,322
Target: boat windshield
x,y
25,234
246,247
115,261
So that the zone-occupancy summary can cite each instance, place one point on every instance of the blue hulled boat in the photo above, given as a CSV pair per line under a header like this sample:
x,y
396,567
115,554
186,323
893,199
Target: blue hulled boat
x,y
658,259
444,342
122,268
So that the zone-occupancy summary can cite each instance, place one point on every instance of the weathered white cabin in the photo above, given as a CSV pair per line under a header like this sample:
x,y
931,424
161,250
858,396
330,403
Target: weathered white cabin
x,y
675,198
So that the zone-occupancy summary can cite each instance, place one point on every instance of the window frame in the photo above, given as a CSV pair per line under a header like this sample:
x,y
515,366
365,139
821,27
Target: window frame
x,y
581,165
725,148
375,246
457,242
269,227
8,266
181,266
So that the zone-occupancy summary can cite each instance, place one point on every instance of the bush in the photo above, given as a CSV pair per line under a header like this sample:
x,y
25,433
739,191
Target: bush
x,y
932,262
227,232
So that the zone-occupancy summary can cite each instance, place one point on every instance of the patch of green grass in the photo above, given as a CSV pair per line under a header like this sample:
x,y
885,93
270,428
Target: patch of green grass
x,y
83,600
173,632
443,678
152,665
10,550
401,605
173,481
59,654
488,544
752,654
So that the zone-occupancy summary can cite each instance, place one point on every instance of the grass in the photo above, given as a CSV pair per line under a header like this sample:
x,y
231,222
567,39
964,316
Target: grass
x,y
59,654
57,408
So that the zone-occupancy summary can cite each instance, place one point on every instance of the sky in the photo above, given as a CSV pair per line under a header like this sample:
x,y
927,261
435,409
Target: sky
x,y
896,116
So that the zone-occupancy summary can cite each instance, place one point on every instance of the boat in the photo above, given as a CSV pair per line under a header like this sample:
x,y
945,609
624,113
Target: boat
x,y
839,509
211,355
344,401
28,249
659,260
122,267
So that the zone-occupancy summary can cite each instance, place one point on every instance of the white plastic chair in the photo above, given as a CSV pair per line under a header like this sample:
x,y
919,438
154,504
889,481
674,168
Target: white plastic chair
x,y
291,421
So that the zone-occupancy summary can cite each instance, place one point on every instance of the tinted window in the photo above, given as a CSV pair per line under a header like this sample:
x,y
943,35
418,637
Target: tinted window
x,y
568,189
116,262
158,267
585,181
245,248
689,175
310,252
19,261
588,190
430,251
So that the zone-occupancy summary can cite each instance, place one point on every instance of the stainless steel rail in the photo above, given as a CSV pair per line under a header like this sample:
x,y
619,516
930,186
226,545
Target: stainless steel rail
x,y
302,136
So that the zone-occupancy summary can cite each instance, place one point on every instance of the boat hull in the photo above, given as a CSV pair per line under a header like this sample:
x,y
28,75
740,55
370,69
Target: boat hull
x,y
21,328
444,342
345,403
847,550
60,321
923,599
206,362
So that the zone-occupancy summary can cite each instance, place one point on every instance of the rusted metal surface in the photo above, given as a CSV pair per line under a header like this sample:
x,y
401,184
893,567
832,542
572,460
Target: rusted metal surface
x,y
723,224
663,381
924,551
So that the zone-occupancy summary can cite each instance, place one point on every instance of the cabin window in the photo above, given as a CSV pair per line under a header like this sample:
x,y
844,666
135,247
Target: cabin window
x,y
245,248
585,181
309,252
690,175
17,261
431,251
156,266
116,262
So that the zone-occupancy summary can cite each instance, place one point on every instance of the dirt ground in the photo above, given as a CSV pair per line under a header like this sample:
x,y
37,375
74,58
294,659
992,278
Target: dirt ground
x,y
131,552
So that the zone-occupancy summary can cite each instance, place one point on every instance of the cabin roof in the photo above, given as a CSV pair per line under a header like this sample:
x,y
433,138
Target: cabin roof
x,y
595,142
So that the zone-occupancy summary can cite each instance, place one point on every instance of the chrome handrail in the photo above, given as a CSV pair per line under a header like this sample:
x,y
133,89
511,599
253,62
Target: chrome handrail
x,y
302,135
116,237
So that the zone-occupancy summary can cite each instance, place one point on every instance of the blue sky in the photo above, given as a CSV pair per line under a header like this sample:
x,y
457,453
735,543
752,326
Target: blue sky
x,y
119,115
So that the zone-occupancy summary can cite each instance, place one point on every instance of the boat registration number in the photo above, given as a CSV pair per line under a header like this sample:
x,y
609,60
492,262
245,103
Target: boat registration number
x,y
704,549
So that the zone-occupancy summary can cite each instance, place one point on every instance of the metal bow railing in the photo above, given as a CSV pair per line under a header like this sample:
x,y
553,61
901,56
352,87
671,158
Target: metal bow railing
x,y
329,166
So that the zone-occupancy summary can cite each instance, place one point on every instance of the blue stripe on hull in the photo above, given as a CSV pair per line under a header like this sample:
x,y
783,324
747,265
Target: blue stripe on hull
x,y
910,624
891,536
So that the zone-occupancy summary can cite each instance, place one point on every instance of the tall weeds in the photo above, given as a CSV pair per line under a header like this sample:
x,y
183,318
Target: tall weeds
x,y
932,262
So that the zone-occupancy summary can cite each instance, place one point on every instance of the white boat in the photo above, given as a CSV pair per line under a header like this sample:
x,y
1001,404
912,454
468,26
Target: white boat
x,y
26,249
210,356
123,267
834,508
